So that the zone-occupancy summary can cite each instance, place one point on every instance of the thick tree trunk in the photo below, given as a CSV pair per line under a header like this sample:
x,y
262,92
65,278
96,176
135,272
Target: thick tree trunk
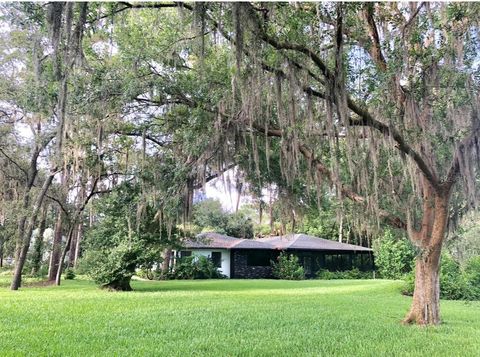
x,y
119,285
425,308
167,256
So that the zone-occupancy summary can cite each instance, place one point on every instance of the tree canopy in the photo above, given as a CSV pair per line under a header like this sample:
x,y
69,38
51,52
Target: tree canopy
x,y
371,106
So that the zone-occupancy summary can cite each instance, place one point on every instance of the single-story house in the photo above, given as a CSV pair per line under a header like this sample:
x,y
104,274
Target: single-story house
x,y
251,258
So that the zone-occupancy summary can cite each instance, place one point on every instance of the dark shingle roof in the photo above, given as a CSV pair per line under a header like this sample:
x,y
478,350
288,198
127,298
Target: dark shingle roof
x,y
220,241
292,241
303,241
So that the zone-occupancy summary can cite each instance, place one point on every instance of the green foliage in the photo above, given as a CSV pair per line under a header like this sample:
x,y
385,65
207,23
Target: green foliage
x,y
195,267
464,243
121,241
472,271
208,215
453,283
69,274
456,283
239,225
355,273
287,267
393,257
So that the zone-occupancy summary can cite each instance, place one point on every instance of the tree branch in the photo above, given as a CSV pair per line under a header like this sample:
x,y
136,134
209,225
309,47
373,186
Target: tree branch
x,y
376,49
394,221
14,162
139,134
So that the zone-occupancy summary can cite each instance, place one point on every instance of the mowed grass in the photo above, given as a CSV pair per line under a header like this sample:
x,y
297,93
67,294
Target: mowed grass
x,y
229,318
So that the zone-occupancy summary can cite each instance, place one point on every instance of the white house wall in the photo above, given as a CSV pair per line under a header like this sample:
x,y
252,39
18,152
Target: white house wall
x,y
225,267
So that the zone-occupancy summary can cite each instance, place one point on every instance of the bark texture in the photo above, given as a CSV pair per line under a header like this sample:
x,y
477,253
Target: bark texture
x,y
425,308
167,256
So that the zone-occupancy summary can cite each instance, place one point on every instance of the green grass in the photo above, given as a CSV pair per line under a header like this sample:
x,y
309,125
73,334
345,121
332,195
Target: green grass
x,y
229,318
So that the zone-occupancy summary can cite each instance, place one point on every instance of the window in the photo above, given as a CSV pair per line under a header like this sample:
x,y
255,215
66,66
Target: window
x,y
185,253
258,259
217,259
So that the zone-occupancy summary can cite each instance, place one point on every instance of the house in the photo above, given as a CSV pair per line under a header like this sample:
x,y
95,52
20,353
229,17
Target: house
x,y
251,258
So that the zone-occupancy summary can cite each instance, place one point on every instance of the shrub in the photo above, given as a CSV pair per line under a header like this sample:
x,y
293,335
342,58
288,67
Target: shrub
x,y
288,267
472,274
455,283
150,274
348,274
69,274
393,257
195,267
113,268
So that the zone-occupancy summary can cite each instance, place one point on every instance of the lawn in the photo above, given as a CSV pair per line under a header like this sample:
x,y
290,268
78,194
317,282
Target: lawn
x,y
229,318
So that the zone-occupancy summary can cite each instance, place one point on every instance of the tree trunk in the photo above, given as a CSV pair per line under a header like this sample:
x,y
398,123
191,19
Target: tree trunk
x,y
56,248
425,308
68,244
77,244
1,250
38,246
271,212
25,239
167,256
119,285
73,246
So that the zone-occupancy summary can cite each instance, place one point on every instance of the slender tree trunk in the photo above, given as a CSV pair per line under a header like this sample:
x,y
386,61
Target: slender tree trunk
x,y
239,196
38,246
56,247
271,211
68,244
425,308
77,244
73,246
2,241
26,238
340,229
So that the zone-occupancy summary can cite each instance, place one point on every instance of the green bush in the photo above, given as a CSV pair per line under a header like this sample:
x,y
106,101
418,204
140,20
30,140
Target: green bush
x,y
355,273
393,257
69,274
195,267
288,267
472,274
113,250
455,283
149,274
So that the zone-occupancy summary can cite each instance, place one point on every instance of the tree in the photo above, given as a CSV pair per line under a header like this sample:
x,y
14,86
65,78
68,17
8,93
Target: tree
x,y
363,100
209,215
126,237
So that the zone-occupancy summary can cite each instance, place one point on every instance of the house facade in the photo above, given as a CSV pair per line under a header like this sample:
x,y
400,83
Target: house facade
x,y
251,258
